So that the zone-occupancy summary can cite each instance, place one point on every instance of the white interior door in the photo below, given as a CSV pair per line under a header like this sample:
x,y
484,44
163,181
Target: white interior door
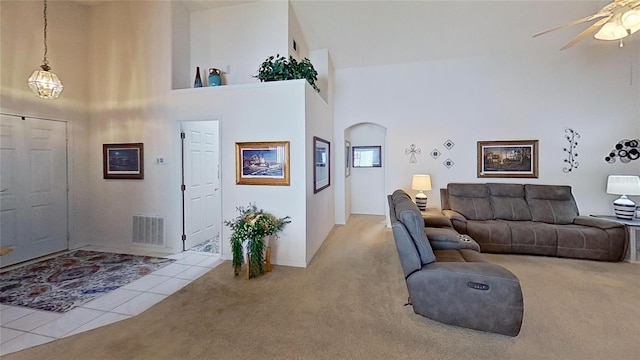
x,y
33,181
202,203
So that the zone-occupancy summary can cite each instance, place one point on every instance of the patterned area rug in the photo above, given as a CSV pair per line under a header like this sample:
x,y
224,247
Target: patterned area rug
x,y
59,284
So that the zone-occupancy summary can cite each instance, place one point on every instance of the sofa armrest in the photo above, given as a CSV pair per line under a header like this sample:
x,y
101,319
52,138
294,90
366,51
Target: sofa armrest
x,y
600,223
458,220
454,215
481,296
436,219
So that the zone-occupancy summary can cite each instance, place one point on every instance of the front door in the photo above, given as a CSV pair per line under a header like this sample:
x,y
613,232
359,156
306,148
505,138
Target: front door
x,y
33,188
202,203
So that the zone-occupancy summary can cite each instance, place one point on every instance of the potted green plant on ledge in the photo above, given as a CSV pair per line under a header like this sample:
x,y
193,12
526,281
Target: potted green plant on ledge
x,y
249,230
278,67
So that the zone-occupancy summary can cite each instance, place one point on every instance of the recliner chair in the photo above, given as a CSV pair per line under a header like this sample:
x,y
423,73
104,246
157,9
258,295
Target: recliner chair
x,y
451,282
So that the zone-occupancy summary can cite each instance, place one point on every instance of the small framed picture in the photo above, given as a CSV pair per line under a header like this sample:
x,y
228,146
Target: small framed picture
x,y
262,163
508,159
322,168
367,156
123,161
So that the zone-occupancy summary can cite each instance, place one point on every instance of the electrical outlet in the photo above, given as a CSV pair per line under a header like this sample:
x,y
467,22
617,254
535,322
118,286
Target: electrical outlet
x,y
228,70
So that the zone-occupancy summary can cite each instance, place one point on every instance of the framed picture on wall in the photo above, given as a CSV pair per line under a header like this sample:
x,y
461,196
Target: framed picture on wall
x,y
322,164
347,159
262,163
123,161
508,159
367,156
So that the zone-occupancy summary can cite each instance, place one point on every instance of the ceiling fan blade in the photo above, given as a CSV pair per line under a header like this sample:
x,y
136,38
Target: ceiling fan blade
x,y
588,31
575,22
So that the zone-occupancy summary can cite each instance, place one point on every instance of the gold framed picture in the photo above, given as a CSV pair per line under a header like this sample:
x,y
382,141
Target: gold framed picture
x,y
262,163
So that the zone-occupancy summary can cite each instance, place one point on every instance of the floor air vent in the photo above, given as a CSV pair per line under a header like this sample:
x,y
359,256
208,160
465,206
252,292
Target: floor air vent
x,y
148,230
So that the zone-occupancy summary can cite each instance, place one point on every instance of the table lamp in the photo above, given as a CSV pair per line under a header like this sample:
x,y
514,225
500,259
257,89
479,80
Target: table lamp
x,y
421,183
623,185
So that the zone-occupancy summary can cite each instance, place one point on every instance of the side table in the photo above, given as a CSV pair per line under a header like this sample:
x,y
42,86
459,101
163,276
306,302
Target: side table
x,y
633,226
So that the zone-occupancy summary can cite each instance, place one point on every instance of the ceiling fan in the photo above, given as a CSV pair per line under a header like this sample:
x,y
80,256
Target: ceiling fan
x,y
615,21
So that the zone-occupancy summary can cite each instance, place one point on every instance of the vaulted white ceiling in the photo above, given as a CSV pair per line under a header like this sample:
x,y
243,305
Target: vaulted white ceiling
x,y
375,32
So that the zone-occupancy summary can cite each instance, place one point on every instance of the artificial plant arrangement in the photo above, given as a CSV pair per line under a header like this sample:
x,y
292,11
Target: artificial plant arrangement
x,y
249,230
278,67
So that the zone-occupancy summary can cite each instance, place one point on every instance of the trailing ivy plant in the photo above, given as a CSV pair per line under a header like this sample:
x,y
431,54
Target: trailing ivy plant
x,y
250,228
276,68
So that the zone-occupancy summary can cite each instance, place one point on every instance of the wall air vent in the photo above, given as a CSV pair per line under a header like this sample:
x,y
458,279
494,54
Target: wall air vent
x,y
148,230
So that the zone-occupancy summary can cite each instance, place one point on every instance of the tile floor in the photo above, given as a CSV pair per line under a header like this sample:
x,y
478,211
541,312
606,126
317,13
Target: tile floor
x,y
21,328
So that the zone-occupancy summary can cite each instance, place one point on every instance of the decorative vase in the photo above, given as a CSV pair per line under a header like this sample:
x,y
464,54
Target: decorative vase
x,y
214,77
198,81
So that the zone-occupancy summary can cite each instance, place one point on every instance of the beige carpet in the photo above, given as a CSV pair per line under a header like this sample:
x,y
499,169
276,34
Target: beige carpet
x,y
349,305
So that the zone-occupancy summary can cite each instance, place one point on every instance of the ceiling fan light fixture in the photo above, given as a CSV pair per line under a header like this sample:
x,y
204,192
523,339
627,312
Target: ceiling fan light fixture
x,y
611,31
631,19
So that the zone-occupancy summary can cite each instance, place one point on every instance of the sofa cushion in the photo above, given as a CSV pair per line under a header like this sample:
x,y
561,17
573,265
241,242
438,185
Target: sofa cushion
x,y
552,204
529,237
470,200
408,213
508,203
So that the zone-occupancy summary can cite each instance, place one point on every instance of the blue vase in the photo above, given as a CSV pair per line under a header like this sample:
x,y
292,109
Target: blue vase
x,y
214,77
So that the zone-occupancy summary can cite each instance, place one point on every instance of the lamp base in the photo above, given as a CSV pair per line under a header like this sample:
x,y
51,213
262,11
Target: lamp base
x,y
624,208
421,201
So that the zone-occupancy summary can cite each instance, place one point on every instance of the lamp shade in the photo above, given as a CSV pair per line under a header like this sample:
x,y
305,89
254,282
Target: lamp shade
x,y
623,185
421,182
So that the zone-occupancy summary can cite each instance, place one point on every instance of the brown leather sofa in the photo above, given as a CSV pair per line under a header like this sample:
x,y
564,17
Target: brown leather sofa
x,y
530,219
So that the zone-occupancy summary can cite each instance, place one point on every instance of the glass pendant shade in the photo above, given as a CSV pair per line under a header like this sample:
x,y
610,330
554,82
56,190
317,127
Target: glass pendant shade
x,y
45,84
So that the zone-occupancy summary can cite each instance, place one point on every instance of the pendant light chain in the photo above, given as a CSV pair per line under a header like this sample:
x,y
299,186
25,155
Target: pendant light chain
x,y
43,82
45,61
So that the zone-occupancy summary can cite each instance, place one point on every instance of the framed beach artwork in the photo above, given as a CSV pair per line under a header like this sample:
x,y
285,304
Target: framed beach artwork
x,y
262,163
508,159
123,161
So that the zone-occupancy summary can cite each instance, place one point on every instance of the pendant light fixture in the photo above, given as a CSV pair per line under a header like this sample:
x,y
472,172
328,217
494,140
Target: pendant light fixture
x,y
44,83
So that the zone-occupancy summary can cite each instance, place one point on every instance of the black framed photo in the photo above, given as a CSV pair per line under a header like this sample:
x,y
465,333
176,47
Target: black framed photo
x,y
123,161
347,159
322,164
508,159
367,156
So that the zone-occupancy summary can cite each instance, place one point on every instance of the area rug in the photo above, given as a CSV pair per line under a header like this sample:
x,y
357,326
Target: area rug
x,y
61,283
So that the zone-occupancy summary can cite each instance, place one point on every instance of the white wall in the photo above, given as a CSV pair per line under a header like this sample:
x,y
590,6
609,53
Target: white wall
x,y
320,207
241,36
592,90
255,113
182,73
21,53
248,112
295,34
368,184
